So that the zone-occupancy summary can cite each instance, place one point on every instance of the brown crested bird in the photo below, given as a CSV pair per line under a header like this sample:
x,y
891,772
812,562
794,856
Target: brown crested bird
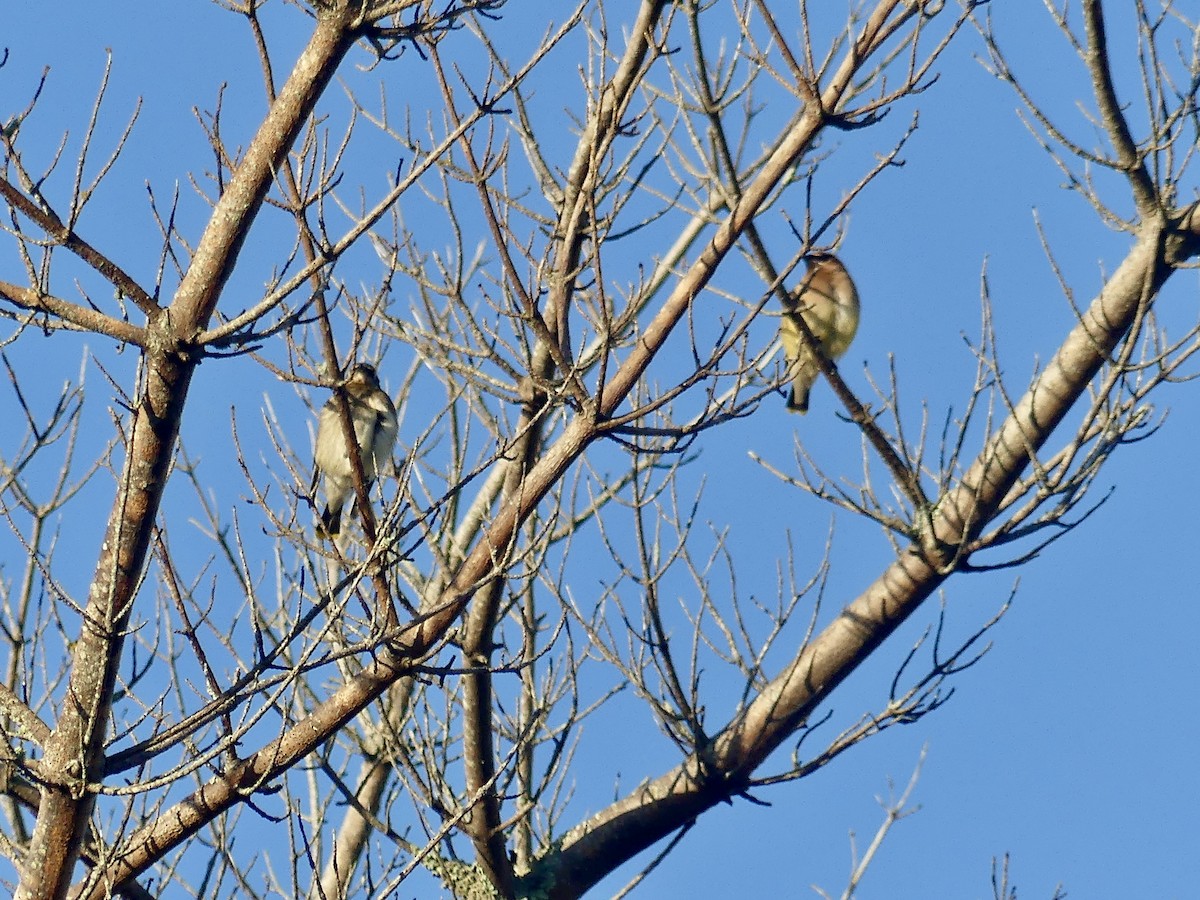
x,y
828,301
373,416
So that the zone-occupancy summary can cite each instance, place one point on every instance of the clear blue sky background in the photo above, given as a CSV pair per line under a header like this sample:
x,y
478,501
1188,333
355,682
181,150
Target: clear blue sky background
x,y
1072,745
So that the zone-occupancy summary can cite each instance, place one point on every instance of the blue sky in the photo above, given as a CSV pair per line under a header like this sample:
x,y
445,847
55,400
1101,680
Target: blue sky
x,y
1071,745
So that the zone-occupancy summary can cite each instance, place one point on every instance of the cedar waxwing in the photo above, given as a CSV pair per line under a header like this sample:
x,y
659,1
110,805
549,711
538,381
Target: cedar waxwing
x,y
828,300
374,418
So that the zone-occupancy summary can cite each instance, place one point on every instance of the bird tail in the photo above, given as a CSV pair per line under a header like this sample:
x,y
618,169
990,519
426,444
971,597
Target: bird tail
x,y
330,525
798,401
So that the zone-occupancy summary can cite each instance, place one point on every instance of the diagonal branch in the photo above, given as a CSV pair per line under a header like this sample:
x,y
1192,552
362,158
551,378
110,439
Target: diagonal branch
x,y
75,316
723,769
48,221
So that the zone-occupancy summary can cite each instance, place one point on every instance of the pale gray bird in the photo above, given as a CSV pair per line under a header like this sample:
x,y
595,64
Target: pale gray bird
x,y
374,418
828,301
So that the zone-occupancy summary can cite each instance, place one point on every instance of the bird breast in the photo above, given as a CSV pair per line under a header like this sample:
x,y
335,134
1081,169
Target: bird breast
x,y
371,432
